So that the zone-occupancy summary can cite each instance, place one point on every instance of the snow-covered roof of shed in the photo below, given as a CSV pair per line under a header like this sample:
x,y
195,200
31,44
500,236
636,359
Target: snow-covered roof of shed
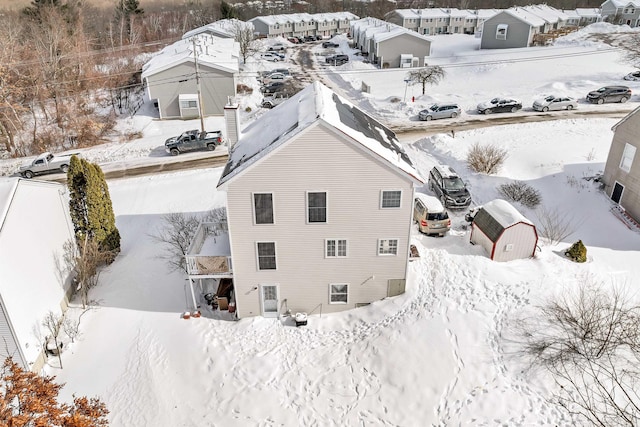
x,y
315,102
504,213
633,115
214,52
225,28
393,30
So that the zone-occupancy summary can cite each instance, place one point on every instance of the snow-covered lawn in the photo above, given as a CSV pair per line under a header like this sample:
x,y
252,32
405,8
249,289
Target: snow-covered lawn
x,y
432,356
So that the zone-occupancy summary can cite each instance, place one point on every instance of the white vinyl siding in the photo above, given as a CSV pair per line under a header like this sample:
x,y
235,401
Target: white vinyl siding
x,y
338,293
627,157
391,199
303,272
336,248
263,208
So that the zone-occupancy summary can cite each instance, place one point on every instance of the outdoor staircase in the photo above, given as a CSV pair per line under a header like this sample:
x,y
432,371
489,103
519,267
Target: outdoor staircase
x,y
623,216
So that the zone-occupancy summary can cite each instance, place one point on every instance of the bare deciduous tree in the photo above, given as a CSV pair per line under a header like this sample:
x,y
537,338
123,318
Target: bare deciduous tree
x,y
246,38
589,341
555,225
85,261
521,192
486,158
177,233
53,323
431,75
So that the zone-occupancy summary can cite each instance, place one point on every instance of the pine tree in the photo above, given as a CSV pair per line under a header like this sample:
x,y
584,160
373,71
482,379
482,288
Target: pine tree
x,y
227,11
27,399
91,207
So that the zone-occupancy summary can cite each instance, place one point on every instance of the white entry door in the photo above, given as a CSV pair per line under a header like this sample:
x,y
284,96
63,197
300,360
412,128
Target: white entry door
x,y
270,297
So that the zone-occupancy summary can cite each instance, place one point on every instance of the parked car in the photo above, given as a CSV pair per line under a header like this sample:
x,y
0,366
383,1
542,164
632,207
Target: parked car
x,y
271,56
307,39
430,215
274,100
449,187
275,77
284,71
609,94
440,111
553,103
635,76
337,59
193,140
46,163
277,46
272,87
330,44
499,105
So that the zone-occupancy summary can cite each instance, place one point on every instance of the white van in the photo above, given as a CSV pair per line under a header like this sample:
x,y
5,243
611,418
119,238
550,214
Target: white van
x,y
430,215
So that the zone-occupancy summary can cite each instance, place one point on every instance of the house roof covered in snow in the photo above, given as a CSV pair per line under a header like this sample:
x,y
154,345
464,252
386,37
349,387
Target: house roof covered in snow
x,y
7,189
624,3
550,14
497,215
380,30
224,28
305,17
315,102
525,16
214,52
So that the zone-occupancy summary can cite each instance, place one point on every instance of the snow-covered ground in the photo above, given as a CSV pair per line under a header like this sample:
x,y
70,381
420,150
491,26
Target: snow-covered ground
x,y
432,356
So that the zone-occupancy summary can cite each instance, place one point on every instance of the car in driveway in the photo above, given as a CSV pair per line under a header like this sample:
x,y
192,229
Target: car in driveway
x,y
277,46
328,44
271,56
440,111
448,187
275,77
272,87
430,215
554,103
337,59
499,105
609,94
634,77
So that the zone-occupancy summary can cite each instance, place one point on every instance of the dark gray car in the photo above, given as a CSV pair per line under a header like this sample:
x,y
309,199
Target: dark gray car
x,y
609,94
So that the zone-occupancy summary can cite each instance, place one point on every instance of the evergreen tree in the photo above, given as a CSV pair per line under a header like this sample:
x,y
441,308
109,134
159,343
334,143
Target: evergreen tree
x,y
90,206
125,10
227,11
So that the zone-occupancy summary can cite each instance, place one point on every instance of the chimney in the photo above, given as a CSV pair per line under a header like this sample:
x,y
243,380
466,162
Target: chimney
x,y
232,123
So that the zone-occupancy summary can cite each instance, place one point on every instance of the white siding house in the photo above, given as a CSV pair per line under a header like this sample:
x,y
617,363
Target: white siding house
x,y
170,76
319,206
504,232
34,226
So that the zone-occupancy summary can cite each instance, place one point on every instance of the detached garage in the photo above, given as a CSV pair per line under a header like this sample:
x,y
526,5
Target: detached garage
x,y
504,232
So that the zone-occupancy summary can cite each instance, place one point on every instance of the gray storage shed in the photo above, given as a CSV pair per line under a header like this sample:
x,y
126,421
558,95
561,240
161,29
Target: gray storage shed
x,y
504,232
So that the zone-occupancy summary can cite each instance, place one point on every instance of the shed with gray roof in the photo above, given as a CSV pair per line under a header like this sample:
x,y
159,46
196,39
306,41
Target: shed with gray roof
x,y
503,231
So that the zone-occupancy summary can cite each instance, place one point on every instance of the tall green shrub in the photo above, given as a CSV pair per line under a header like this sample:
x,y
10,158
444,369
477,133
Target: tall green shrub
x,y
90,206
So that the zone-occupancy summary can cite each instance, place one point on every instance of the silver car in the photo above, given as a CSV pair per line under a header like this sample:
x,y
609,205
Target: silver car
x,y
440,111
553,103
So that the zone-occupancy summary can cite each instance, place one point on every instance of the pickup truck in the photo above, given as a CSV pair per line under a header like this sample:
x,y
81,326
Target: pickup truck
x,y
193,140
46,163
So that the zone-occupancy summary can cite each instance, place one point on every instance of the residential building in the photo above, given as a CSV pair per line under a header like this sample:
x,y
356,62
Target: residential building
x,y
174,76
319,205
622,170
224,29
303,24
34,227
511,28
621,12
390,45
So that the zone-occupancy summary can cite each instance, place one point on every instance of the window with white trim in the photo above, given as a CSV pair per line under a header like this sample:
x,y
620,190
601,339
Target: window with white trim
x,y
627,157
388,247
266,255
338,293
501,31
263,208
317,207
390,199
336,248
188,104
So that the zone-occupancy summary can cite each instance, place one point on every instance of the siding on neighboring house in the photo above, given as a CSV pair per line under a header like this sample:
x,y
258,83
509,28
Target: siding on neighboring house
x,y
318,159
389,50
166,86
625,132
519,33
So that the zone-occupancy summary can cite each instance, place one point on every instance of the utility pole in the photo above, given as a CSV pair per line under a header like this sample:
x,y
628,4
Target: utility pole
x,y
195,58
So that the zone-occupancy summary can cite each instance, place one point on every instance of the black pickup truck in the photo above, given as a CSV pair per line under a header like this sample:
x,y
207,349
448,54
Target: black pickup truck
x,y
193,140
